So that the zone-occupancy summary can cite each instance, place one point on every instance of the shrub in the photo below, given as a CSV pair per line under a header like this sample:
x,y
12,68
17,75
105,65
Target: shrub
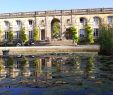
x,y
106,40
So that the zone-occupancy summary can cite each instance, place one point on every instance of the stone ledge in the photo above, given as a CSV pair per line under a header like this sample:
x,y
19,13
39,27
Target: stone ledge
x,y
50,49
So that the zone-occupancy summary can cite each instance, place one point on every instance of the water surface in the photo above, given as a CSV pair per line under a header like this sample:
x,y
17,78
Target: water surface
x,y
56,74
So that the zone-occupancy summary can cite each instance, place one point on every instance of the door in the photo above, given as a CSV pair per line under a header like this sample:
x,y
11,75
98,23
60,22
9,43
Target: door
x,y
42,34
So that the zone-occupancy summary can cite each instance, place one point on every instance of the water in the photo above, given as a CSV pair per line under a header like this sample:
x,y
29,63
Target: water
x,y
56,74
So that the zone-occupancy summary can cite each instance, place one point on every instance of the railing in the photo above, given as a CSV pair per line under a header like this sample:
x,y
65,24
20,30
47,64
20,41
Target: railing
x,y
57,12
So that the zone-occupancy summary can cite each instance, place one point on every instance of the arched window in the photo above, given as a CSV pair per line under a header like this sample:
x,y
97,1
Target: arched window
x,y
42,22
110,19
97,20
68,21
7,24
83,20
18,23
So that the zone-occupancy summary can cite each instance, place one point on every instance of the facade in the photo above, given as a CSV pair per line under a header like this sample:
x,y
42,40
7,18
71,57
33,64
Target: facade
x,y
44,21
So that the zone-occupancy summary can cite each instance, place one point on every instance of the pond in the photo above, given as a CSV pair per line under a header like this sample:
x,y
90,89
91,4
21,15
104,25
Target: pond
x,y
56,74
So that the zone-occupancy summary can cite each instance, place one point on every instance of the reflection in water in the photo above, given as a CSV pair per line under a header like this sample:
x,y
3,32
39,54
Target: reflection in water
x,y
53,71
89,69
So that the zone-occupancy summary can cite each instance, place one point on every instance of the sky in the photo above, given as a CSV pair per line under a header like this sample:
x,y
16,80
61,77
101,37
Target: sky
x,y
9,6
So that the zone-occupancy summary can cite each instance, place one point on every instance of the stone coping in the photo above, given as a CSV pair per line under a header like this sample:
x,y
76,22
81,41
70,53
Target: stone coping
x,y
50,49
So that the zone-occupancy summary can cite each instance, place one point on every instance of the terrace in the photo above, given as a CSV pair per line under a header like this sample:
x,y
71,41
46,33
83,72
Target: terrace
x,y
57,12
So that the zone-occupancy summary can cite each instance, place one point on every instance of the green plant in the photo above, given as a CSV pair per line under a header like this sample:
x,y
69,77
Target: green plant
x,y
24,61
10,62
10,35
56,30
23,36
89,34
36,62
89,65
1,64
0,35
74,34
36,34
106,40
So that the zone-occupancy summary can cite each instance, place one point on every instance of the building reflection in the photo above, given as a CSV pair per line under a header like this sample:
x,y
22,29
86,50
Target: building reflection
x,y
46,68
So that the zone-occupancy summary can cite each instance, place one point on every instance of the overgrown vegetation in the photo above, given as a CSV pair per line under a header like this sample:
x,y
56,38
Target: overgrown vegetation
x,y
56,30
10,35
1,65
0,35
23,36
36,34
106,39
10,62
74,34
36,62
89,34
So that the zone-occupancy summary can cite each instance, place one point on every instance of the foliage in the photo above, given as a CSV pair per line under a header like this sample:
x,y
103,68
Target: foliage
x,y
89,65
106,39
56,30
89,34
10,62
1,64
36,34
37,64
0,35
10,35
24,61
74,34
23,36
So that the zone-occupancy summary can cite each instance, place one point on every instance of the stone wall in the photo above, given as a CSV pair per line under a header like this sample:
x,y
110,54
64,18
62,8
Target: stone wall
x,y
50,49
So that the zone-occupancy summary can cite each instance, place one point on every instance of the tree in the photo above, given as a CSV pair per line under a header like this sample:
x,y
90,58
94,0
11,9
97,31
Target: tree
x,y
106,40
89,34
74,34
0,35
1,65
56,30
36,34
24,63
37,64
23,36
10,35
10,62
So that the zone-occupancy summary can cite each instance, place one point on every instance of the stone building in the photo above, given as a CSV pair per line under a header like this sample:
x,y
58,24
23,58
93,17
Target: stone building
x,y
44,21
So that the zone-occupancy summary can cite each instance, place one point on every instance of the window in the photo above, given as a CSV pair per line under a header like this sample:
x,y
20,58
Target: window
x,y
82,33
96,20
96,32
7,24
110,19
18,23
6,35
30,22
30,34
68,21
18,34
83,20
42,22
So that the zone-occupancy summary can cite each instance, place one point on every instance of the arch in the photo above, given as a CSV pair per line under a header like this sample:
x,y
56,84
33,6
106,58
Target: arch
x,y
97,19
68,34
110,19
55,33
7,23
18,22
83,20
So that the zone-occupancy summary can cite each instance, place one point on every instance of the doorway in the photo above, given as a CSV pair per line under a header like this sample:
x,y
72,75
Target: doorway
x,y
43,34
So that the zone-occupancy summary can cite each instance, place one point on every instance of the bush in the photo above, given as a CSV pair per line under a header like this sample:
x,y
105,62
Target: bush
x,y
89,34
106,40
